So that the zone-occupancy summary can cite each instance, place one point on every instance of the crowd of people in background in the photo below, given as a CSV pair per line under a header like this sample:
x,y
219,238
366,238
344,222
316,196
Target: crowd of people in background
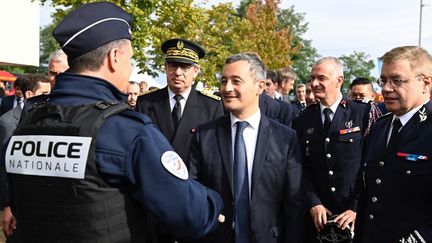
x,y
248,163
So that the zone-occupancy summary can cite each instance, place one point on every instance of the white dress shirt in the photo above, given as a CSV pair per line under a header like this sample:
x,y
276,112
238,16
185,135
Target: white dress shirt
x,y
185,96
333,108
250,135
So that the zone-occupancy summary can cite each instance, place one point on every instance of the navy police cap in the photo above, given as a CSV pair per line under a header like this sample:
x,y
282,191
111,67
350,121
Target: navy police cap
x,y
90,26
183,51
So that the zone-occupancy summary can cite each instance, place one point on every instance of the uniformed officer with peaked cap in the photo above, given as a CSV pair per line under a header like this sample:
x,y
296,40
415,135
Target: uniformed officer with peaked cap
x,y
178,119
97,165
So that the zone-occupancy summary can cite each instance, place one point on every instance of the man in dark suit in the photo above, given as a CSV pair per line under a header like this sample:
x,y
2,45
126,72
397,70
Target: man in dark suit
x,y
331,134
395,203
10,102
285,115
300,103
194,107
258,173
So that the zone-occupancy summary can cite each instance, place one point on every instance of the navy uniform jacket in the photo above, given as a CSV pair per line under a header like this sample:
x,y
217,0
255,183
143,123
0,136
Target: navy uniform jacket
x,y
276,193
199,109
397,197
128,152
332,161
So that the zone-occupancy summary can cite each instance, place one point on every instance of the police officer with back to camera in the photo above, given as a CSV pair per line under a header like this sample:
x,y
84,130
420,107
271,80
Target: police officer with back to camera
x,y
331,136
179,108
395,203
83,167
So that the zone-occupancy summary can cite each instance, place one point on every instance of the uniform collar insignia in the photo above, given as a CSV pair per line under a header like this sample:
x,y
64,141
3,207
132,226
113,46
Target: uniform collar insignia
x,y
310,130
422,114
349,124
343,103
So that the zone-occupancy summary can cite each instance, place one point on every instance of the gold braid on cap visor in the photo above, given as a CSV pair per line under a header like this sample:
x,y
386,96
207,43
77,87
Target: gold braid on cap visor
x,y
174,52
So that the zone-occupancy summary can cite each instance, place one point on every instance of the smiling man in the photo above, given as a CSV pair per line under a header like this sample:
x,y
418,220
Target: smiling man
x,y
331,137
395,205
252,161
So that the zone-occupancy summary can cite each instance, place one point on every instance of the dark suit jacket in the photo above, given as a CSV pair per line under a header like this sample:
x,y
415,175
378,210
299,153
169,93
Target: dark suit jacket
x,y
275,109
397,197
8,124
276,194
7,104
199,109
332,161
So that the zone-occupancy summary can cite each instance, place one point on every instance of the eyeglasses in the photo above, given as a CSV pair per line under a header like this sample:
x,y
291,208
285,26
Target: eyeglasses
x,y
173,66
395,82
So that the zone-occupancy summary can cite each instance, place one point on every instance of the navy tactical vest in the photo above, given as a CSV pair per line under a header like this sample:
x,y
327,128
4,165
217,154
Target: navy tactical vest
x,y
60,209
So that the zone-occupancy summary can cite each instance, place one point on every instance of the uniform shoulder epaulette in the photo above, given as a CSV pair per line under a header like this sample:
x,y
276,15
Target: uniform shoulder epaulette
x,y
385,116
210,95
150,91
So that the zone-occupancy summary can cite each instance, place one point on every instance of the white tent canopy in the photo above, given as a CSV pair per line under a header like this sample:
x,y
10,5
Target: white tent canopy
x,y
138,77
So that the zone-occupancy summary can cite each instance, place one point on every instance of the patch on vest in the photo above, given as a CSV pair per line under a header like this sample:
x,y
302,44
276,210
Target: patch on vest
x,y
55,156
174,165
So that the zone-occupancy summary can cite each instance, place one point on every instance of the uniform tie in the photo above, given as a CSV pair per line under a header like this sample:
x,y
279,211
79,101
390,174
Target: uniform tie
x,y
395,131
327,120
241,188
19,102
176,113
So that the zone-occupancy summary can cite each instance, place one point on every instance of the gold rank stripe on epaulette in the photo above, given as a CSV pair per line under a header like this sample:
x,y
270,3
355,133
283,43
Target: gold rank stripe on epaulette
x,y
210,95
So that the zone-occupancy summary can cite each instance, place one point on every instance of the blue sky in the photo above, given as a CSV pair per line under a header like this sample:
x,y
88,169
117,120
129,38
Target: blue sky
x,y
340,27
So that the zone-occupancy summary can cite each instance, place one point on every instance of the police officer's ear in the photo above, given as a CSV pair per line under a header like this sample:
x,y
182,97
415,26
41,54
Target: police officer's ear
x,y
198,70
114,59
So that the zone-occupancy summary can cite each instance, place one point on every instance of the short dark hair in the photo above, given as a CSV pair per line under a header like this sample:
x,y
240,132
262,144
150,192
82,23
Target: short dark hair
x,y
360,81
272,75
31,81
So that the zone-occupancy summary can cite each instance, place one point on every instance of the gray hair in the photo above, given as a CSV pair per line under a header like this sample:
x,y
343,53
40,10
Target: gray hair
x,y
337,65
57,56
93,60
257,67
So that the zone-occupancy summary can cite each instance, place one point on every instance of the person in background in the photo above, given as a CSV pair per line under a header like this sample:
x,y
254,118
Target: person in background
x,y
310,98
104,166
300,104
254,162
286,113
57,63
31,85
143,87
361,89
133,91
285,78
12,101
179,108
396,189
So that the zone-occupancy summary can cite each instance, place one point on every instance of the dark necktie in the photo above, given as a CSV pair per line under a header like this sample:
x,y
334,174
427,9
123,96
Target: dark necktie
x,y
327,120
395,131
241,188
302,105
176,112
19,102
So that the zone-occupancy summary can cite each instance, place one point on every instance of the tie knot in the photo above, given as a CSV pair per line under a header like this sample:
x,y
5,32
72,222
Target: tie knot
x,y
397,124
327,111
241,125
178,97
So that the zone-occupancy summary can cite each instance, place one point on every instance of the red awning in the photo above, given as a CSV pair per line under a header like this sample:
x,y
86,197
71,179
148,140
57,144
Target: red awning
x,y
7,76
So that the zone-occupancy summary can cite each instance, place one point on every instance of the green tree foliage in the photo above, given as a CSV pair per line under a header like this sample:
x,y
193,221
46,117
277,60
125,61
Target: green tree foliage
x,y
356,65
219,29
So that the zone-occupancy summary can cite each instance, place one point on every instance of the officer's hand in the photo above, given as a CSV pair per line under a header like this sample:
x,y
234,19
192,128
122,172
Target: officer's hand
x,y
345,218
319,216
9,221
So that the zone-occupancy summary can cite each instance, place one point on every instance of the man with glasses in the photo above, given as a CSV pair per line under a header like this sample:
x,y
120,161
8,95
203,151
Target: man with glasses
x,y
178,108
331,135
395,203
